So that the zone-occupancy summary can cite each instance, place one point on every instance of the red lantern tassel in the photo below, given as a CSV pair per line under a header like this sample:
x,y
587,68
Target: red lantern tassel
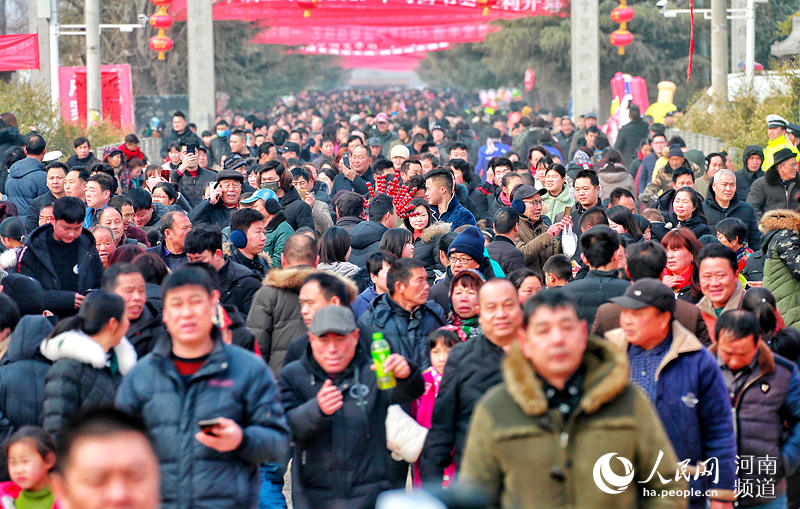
x,y
691,40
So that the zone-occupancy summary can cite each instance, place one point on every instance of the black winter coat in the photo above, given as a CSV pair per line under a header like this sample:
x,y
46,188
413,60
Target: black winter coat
x,y
341,460
695,223
232,383
297,212
192,188
211,213
145,331
472,368
237,286
80,377
365,239
629,138
22,374
32,220
348,223
740,210
35,261
744,177
597,288
426,248
770,192
505,253
187,137
407,332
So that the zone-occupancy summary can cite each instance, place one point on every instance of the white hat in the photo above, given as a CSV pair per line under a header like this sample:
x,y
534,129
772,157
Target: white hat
x,y
776,121
51,156
399,151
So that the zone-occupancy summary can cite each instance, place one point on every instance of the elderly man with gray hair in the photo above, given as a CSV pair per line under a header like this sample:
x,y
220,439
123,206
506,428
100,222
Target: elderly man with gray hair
x,y
721,203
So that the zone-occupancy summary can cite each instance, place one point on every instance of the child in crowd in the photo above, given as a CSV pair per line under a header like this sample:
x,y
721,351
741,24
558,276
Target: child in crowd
x,y
31,456
440,342
732,232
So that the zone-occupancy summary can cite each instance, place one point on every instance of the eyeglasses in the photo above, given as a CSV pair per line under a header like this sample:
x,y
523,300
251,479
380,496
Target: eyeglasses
x,y
461,260
535,203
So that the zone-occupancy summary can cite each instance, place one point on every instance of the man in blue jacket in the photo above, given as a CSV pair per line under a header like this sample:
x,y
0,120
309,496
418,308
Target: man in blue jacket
x,y
445,204
212,410
27,178
685,385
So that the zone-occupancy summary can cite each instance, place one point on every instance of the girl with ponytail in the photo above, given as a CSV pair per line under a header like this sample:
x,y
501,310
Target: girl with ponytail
x,y
90,356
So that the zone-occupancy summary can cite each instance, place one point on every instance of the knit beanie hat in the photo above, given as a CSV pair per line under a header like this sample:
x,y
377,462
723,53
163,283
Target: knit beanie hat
x,y
470,242
675,151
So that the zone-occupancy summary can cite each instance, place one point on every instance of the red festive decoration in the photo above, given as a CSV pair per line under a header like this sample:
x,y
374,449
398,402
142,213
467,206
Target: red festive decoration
x,y
486,4
401,195
161,20
307,5
622,14
621,37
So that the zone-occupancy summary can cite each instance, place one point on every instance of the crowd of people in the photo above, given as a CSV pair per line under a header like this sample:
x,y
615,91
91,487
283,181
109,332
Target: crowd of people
x,y
179,330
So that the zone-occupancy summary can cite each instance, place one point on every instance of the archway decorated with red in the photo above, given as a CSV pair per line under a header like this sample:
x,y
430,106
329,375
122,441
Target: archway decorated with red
x,y
375,33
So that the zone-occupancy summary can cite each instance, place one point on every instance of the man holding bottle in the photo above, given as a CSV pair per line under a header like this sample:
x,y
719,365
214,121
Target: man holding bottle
x,y
337,415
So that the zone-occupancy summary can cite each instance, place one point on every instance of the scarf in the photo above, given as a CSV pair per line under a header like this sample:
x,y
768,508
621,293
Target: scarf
x,y
468,325
684,281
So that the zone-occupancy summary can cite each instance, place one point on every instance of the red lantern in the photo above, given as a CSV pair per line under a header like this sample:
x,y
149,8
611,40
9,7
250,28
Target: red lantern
x,y
486,4
622,14
620,38
161,20
160,44
307,5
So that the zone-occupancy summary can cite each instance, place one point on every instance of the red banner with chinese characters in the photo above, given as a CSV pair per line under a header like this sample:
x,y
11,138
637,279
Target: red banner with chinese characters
x,y
364,35
19,51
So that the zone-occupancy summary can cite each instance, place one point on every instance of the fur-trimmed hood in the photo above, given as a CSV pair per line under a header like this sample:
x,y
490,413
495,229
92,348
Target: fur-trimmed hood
x,y
433,231
78,346
292,279
606,377
8,259
780,220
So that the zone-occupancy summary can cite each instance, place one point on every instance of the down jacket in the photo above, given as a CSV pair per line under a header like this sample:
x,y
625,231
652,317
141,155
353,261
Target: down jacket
x,y
407,332
769,397
34,261
426,248
365,239
341,460
692,401
741,210
27,179
515,442
472,368
81,376
782,262
22,374
274,317
770,193
232,383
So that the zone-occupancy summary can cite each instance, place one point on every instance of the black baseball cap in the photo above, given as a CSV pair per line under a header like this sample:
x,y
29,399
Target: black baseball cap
x,y
647,292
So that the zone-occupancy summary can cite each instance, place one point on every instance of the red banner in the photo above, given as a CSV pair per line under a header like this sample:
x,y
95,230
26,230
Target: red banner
x,y
117,94
364,35
371,50
19,51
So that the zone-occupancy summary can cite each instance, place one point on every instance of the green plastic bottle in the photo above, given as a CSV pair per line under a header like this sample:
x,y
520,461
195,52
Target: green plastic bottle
x,y
380,351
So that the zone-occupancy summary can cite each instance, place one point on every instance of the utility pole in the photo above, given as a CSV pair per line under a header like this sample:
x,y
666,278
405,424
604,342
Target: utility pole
x,y
584,28
719,49
200,38
94,94
54,58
